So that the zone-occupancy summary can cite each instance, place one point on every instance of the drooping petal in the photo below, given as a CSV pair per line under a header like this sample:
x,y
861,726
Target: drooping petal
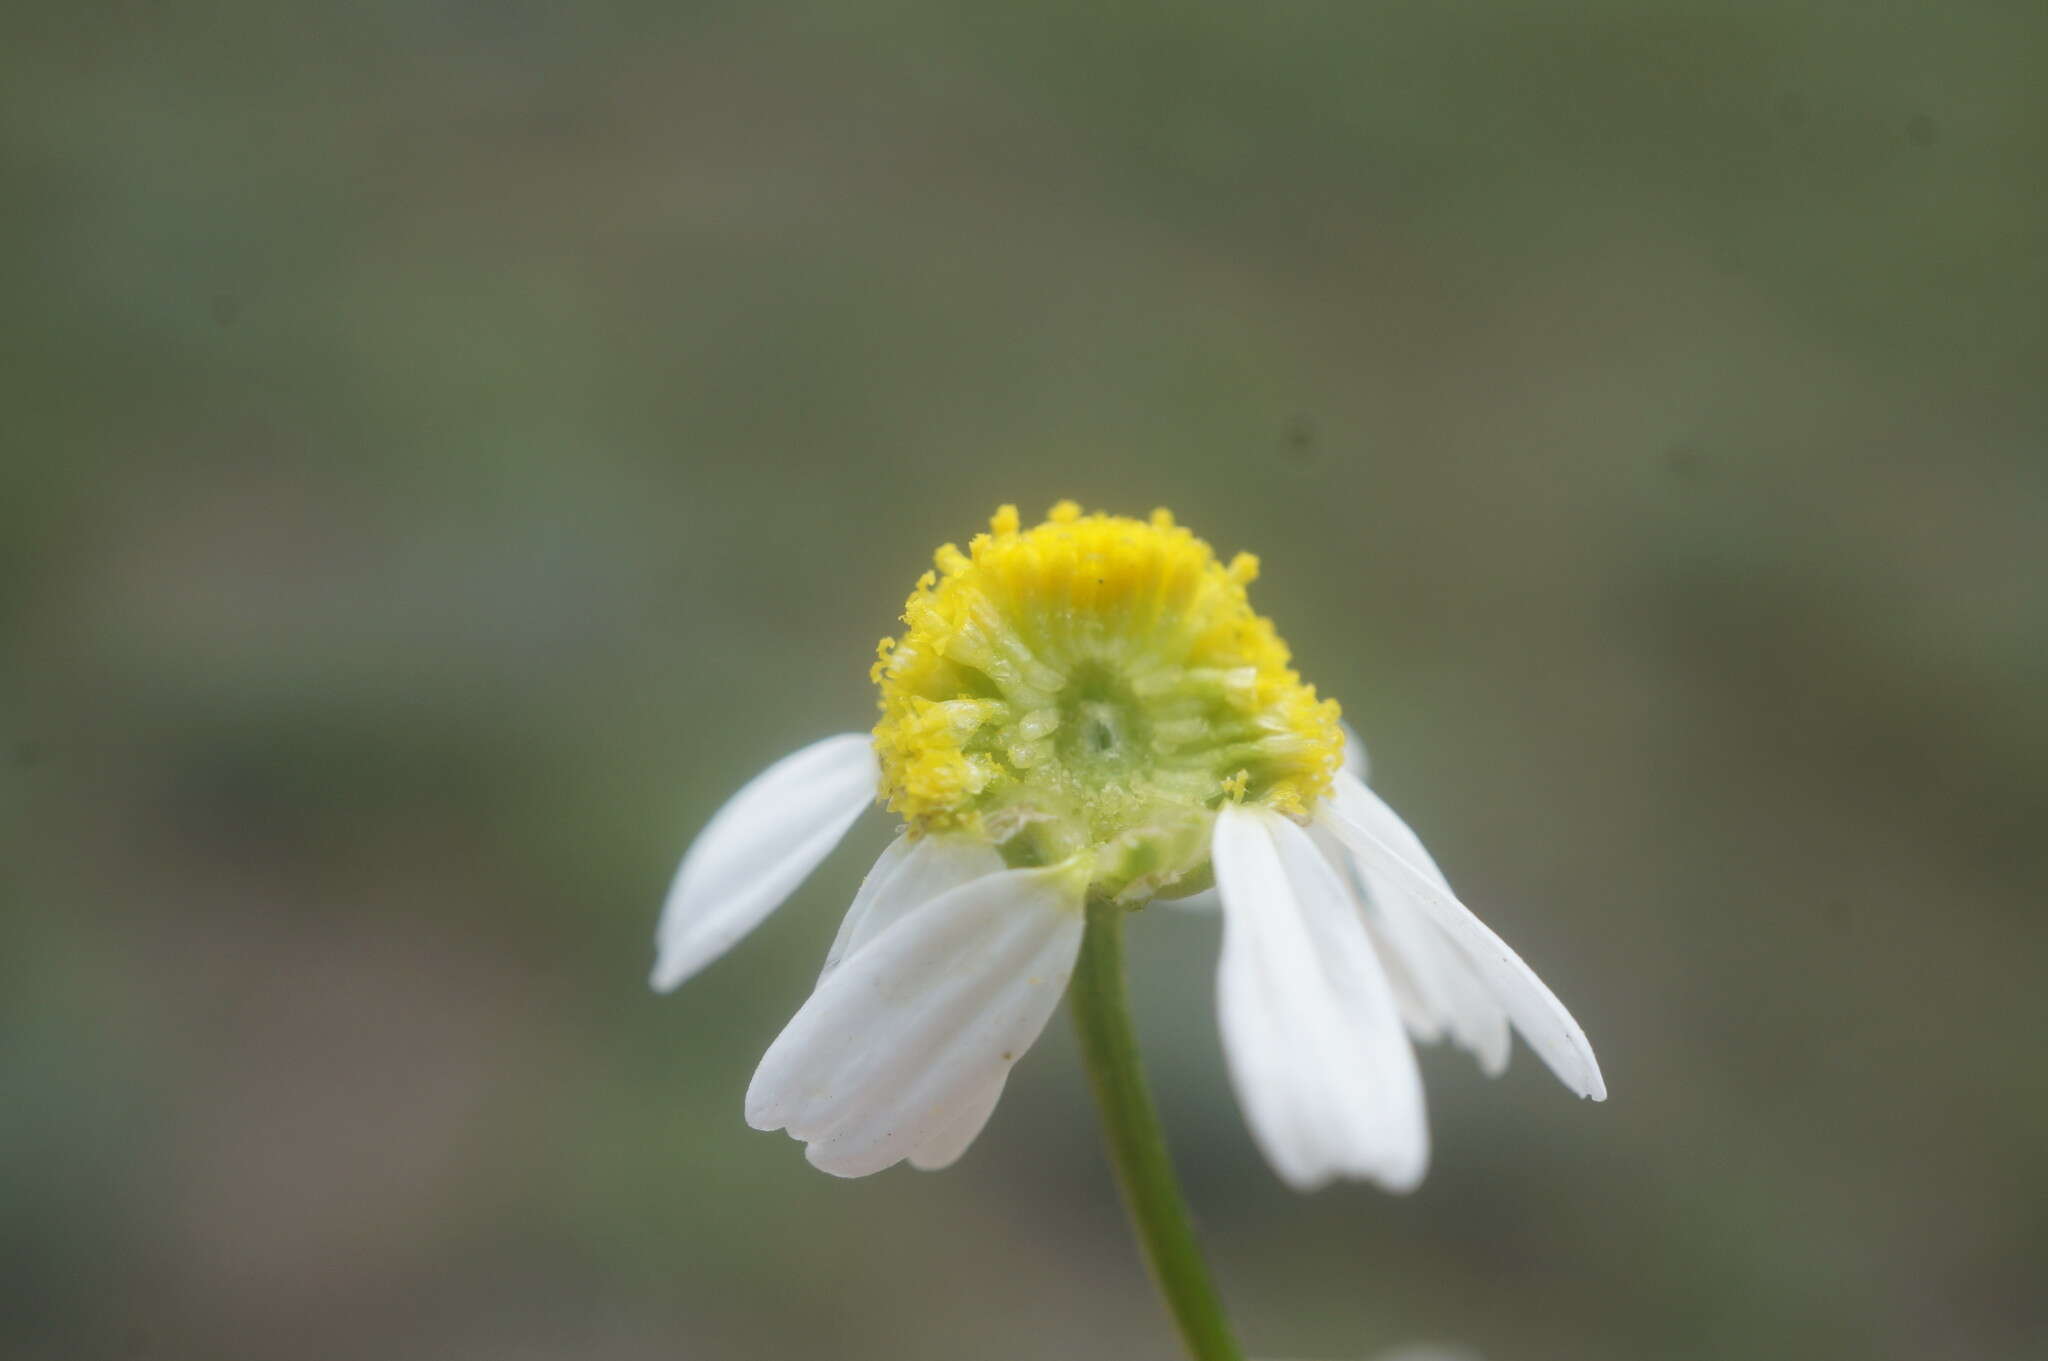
x,y
1388,851
1315,1045
943,1149
1464,1002
902,1040
1437,984
1417,1013
909,873
1464,1006
758,848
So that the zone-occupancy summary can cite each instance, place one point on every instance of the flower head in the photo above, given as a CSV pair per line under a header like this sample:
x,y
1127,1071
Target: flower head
x,y
1090,710
1095,687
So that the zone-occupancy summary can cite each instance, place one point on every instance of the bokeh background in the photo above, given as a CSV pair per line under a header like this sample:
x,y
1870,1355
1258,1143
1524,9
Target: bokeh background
x,y
450,446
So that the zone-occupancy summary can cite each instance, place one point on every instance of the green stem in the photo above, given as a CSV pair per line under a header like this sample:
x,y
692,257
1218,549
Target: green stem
x,y
1102,1014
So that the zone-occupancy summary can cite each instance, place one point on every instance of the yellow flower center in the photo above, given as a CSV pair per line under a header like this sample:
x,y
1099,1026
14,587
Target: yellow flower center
x,y
1095,686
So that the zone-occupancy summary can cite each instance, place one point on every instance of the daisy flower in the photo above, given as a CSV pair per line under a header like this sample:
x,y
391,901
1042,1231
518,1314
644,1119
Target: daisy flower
x,y
1079,718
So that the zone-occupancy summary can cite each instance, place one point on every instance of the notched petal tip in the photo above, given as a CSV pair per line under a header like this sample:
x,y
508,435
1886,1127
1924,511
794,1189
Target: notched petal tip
x,y
820,1154
905,1044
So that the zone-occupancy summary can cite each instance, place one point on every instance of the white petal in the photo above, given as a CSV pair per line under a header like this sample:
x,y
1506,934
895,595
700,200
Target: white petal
x,y
943,1149
1378,837
878,876
901,1041
1322,1066
1416,1011
1461,998
1462,1002
758,848
909,874
1436,982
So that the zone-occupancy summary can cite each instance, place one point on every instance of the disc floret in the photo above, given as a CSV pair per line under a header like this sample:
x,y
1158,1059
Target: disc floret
x,y
1094,688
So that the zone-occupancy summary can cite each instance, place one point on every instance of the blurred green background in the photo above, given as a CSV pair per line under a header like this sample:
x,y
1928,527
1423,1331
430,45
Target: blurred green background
x,y
450,446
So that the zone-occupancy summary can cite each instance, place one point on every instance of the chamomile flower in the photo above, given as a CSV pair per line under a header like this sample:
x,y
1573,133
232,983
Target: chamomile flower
x,y
1089,711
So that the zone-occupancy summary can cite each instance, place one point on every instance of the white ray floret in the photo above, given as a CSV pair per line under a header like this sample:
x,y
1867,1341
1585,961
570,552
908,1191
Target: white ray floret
x,y
756,850
1438,986
1390,859
1314,1040
942,1149
900,1043
909,873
